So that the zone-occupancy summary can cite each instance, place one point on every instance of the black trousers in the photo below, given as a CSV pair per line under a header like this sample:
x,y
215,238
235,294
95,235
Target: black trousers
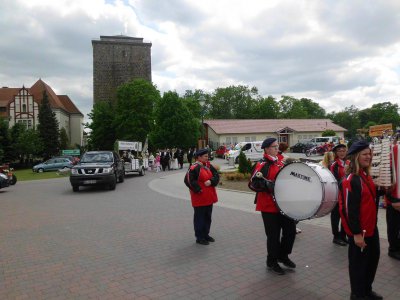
x,y
335,220
363,265
180,162
202,221
278,246
393,228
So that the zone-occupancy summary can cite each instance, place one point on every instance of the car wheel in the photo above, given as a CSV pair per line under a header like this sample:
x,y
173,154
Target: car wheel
x,y
113,184
75,188
308,153
40,170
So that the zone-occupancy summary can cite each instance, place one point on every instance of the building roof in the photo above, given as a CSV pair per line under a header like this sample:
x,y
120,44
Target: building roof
x,y
231,126
56,101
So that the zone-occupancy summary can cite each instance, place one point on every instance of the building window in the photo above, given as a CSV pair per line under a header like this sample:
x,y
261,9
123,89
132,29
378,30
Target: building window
x,y
24,107
253,138
3,109
228,140
247,139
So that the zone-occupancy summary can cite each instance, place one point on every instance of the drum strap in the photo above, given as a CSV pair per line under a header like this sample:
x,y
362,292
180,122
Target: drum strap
x,y
263,167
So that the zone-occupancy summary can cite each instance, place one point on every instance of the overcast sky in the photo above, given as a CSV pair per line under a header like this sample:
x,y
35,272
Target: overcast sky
x,y
336,52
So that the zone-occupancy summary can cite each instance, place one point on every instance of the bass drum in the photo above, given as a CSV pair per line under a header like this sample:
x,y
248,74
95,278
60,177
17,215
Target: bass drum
x,y
305,191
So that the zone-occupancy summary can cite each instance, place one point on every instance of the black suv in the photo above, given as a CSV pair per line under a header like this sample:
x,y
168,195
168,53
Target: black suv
x,y
98,168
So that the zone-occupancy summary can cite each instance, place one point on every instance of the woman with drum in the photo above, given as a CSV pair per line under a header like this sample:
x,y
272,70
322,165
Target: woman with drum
x,y
358,212
338,170
262,181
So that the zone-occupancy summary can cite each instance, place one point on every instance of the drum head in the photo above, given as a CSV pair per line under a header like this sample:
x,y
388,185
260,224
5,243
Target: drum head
x,y
298,191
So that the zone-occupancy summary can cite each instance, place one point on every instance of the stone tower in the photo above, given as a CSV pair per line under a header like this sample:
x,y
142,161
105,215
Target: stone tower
x,y
117,60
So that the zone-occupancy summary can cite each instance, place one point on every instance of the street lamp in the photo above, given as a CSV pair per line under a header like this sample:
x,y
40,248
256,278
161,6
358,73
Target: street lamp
x,y
202,102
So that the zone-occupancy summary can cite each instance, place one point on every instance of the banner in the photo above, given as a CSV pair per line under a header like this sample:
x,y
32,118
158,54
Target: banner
x,y
378,130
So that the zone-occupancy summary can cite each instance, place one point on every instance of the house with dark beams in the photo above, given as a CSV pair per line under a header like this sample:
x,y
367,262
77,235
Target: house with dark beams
x,y
21,105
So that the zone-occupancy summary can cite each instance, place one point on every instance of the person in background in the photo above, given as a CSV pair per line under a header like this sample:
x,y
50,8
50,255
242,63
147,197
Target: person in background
x,y
279,229
283,147
338,170
358,210
328,159
202,178
190,156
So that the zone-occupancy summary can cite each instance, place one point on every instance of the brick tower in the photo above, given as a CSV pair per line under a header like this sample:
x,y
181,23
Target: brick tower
x,y
117,60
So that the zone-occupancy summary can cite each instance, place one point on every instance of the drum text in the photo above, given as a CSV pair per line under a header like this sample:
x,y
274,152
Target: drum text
x,y
301,176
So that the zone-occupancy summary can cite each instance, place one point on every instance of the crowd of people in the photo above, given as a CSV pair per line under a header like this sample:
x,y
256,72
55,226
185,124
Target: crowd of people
x,y
353,219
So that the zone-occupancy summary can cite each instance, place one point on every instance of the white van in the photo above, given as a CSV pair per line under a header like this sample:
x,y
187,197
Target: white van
x,y
252,150
321,140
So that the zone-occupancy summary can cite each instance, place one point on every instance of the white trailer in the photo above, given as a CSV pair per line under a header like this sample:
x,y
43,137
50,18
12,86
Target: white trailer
x,y
133,163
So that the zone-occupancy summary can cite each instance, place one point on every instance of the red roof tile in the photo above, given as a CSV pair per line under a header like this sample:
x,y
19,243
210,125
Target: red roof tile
x,y
69,105
271,125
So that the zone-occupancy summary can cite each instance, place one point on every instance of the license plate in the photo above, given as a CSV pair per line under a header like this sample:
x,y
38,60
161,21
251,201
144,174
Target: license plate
x,y
89,181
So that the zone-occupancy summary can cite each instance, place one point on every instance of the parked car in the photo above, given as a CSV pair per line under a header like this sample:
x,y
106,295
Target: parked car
x,y
97,168
301,147
53,164
221,151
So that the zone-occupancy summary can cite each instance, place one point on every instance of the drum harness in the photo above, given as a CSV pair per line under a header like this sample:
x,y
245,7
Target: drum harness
x,y
256,176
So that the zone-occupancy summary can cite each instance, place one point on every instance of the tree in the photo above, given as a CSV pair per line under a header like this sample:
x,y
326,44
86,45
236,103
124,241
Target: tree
x,y
64,141
244,164
15,134
134,110
5,141
30,144
233,102
174,124
102,132
266,108
329,132
348,118
291,108
314,111
381,113
48,129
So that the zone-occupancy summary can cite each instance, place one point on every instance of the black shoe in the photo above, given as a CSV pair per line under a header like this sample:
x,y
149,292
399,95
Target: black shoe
x,y
354,297
395,255
276,268
339,242
287,262
202,242
210,239
374,295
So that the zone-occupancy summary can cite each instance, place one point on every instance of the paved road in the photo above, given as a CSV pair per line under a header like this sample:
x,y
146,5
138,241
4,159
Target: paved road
x,y
137,243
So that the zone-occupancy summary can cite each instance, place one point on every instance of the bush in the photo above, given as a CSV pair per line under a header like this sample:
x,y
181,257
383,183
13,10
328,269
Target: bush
x,y
235,176
245,165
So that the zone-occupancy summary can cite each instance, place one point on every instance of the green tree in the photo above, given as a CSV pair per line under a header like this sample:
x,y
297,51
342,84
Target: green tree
x,y
266,108
349,119
244,164
30,144
134,109
329,132
5,141
102,132
48,129
233,102
291,108
192,102
64,141
381,113
15,133
314,111
174,124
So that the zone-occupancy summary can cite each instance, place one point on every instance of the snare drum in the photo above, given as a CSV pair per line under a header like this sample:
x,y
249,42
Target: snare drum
x,y
305,191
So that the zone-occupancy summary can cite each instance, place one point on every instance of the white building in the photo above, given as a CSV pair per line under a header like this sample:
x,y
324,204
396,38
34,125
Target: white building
x,y
21,105
291,131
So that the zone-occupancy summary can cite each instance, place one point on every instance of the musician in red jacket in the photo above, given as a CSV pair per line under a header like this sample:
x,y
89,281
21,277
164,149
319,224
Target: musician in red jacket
x,y
358,211
338,170
202,180
262,181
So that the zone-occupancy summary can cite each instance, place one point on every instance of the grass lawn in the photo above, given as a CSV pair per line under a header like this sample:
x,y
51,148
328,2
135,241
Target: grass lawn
x,y
28,174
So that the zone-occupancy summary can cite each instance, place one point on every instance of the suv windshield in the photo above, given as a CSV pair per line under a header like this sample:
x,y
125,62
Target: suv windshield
x,y
96,157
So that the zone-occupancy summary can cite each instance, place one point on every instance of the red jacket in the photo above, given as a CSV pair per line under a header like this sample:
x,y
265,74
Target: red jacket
x,y
270,168
357,206
200,194
338,169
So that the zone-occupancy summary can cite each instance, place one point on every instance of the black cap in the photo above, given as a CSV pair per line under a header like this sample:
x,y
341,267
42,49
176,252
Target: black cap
x,y
338,146
201,152
357,147
267,142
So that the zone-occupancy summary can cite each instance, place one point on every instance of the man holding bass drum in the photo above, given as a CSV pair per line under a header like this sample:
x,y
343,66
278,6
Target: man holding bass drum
x,y
262,181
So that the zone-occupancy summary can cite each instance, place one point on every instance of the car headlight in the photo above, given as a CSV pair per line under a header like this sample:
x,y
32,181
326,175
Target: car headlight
x,y
108,170
74,171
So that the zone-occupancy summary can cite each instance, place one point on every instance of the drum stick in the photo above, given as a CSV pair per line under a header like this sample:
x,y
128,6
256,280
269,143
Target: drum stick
x,y
363,235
